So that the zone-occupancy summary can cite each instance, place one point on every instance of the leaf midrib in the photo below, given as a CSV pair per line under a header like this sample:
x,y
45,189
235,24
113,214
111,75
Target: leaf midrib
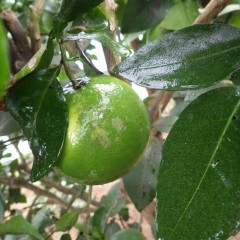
x,y
195,59
40,105
219,142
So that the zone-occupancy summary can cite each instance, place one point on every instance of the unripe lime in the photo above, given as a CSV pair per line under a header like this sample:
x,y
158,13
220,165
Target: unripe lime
x,y
107,133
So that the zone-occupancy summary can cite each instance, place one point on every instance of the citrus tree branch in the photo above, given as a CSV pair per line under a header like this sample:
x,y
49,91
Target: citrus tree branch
x,y
34,28
68,191
211,11
17,31
16,183
67,67
111,59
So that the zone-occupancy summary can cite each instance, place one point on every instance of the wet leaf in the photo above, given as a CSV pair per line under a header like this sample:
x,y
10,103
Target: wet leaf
x,y
19,225
37,103
67,221
140,15
190,58
105,39
140,183
199,182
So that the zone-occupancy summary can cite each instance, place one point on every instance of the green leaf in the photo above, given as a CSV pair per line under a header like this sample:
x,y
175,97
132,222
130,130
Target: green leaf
x,y
70,10
67,221
15,196
190,58
99,220
140,15
91,21
181,14
40,60
129,233
4,66
103,38
111,229
66,236
199,182
42,219
37,103
113,202
2,207
140,183
19,225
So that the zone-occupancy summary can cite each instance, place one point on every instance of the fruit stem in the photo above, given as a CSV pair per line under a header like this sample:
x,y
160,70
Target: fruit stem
x,y
66,66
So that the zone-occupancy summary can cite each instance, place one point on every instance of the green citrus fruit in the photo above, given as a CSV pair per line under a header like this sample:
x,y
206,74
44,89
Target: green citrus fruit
x,y
107,133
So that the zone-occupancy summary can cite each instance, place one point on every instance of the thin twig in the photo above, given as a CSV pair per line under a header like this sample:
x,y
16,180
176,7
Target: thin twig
x,y
34,28
211,11
16,183
17,31
68,191
67,67
111,59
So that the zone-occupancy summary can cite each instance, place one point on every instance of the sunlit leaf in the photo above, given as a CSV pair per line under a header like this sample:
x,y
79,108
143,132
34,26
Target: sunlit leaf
x,y
190,58
199,182
37,103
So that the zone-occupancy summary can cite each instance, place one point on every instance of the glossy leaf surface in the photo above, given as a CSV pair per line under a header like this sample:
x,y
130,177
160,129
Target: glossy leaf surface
x,y
198,190
37,103
140,15
105,39
19,225
140,183
190,58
